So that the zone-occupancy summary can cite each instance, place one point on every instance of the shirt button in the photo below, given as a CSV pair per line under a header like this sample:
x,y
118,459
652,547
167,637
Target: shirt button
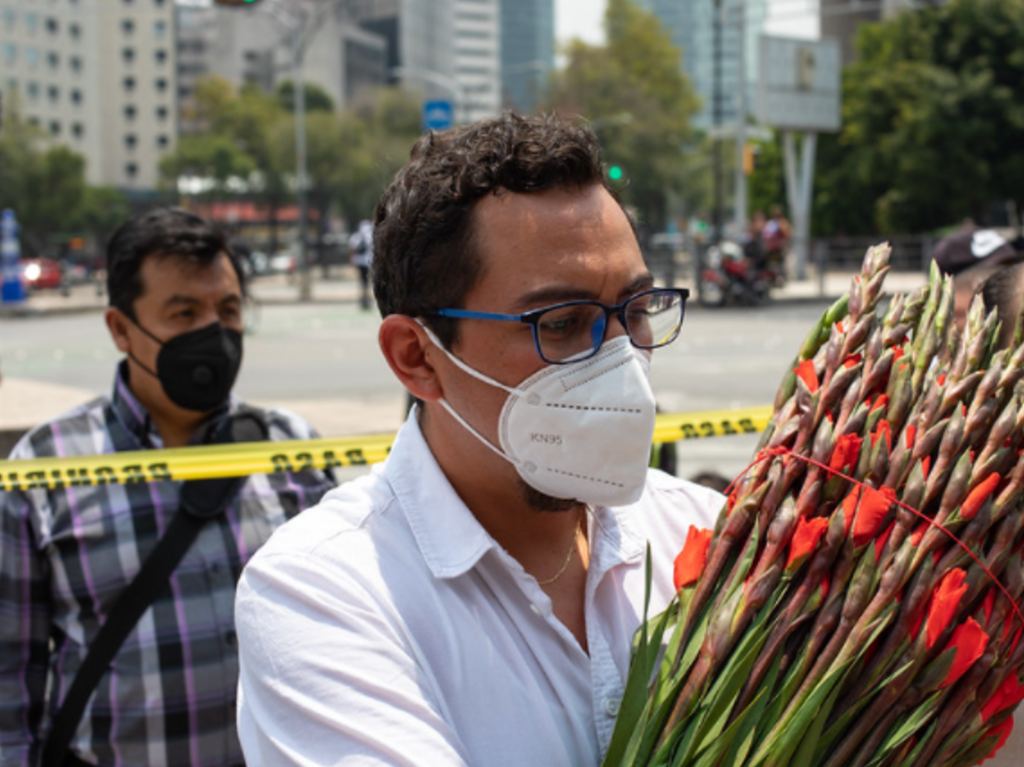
x,y
230,638
611,706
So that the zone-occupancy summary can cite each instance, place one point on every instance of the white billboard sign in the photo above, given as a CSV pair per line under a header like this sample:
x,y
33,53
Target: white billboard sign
x,y
798,84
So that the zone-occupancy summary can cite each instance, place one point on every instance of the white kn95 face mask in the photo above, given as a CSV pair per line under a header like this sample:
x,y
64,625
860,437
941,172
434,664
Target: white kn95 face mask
x,y
580,430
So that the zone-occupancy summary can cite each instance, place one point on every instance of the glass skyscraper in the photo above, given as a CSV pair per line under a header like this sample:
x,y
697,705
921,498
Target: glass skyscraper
x,y
527,51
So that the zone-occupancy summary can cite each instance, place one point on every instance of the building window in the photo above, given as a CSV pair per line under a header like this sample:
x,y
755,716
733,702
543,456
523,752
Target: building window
x,y
54,128
52,26
127,26
75,30
53,59
77,130
76,96
32,90
10,53
131,140
162,142
9,18
131,170
128,54
158,3
130,112
160,55
34,122
161,113
31,23
161,84
75,62
54,93
159,29
128,83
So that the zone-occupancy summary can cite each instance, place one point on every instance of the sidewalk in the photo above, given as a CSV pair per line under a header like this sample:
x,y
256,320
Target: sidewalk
x,y
342,287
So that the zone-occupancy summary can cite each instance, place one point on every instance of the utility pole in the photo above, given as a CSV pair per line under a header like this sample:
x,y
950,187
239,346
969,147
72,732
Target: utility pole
x,y
301,169
716,120
740,214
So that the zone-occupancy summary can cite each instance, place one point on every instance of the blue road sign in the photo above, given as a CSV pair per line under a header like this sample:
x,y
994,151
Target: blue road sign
x,y
11,289
438,115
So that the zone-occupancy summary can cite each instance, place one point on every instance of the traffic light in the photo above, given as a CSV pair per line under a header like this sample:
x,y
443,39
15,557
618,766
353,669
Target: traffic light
x,y
615,173
751,158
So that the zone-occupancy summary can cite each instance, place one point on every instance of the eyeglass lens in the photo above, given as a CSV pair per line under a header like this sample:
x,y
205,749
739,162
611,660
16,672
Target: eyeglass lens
x,y
653,319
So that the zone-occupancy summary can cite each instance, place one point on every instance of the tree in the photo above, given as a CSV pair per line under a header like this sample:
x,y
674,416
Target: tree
x,y
317,99
639,103
933,121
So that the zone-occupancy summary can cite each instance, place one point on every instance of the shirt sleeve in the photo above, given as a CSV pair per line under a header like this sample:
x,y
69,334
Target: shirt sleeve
x,y
24,631
327,676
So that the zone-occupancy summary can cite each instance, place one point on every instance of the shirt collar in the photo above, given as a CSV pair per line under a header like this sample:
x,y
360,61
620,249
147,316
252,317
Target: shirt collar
x,y
452,540
134,416
449,537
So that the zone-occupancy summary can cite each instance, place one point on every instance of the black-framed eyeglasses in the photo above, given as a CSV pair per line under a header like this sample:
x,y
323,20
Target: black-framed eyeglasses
x,y
574,330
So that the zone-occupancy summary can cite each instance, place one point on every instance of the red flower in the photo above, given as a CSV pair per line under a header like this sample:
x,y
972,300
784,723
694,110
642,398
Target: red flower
x,y
881,402
977,497
941,379
852,361
690,562
909,435
874,506
926,466
897,352
849,508
881,540
805,372
988,604
945,599
1002,732
918,534
969,640
882,430
839,326
1009,694
845,453
806,537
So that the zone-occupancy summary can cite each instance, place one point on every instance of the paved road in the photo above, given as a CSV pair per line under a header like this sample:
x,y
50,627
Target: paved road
x,y
322,360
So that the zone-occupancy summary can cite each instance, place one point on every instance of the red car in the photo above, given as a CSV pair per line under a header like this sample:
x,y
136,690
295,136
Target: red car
x,y
41,273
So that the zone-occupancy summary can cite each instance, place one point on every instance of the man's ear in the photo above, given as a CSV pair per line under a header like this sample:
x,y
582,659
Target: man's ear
x,y
117,324
407,349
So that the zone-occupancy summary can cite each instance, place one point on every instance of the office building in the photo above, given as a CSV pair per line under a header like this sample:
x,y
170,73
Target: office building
x,y
250,46
691,26
98,76
477,59
419,36
527,51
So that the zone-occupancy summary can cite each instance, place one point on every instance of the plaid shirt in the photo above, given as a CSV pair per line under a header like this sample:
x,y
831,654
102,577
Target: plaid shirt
x,y
66,555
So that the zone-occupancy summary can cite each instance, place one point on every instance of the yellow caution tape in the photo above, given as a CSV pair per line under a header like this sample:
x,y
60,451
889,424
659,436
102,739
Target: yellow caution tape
x,y
244,459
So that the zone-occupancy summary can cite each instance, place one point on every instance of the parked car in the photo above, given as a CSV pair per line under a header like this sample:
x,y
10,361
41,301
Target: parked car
x,y
42,274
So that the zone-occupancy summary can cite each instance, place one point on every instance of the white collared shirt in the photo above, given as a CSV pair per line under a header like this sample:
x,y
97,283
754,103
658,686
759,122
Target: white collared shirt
x,y
386,626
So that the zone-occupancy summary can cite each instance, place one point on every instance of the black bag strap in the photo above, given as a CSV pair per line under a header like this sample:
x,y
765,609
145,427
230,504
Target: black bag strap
x,y
201,500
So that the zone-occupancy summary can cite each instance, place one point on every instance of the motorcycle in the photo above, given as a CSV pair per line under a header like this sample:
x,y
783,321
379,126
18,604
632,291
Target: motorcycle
x,y
729,277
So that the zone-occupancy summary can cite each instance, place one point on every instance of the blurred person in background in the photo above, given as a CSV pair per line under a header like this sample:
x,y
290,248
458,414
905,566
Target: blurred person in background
x,y
176,294
473,600
361,249
971,255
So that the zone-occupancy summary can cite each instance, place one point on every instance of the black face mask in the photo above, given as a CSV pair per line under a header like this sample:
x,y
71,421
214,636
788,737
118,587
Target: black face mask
x,y
197,369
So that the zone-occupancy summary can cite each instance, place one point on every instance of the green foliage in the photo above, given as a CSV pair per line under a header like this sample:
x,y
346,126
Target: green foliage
x,y
317,99
766,186
639,103
247,147
933,121
45,185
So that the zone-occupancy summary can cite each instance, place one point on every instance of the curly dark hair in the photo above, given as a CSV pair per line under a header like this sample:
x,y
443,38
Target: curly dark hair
x,y
424,254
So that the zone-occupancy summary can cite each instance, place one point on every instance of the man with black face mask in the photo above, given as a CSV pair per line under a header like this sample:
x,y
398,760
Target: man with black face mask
x,y
168,697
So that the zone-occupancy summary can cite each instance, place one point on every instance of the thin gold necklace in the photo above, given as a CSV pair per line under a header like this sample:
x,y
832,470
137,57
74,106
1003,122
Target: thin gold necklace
x,y
568,558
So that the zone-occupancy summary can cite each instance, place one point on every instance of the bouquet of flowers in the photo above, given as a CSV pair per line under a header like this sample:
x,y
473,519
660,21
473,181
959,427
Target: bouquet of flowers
x,y
859,601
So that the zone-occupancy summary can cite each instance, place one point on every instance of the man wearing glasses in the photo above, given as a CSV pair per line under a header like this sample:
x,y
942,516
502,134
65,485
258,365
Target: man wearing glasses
x,y
473,600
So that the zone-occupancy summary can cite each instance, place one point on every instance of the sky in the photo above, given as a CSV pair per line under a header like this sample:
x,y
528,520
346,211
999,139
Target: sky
x,y
582,18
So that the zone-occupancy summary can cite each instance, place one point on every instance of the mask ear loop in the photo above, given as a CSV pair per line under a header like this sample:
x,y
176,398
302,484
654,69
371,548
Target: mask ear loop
x,y
480,377
152,337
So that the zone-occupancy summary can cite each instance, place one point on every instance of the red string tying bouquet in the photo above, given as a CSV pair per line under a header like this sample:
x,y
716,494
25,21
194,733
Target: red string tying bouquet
x,y
859,602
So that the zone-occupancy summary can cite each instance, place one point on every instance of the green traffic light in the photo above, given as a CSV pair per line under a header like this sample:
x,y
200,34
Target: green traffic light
x,y
615,173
